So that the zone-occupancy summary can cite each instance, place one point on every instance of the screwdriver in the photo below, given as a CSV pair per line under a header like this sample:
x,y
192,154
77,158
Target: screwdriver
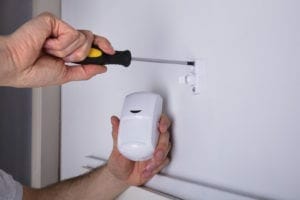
x,y
98,57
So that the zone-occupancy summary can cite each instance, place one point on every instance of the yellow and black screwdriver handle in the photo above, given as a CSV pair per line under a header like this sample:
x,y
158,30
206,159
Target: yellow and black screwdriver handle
x,y
98,57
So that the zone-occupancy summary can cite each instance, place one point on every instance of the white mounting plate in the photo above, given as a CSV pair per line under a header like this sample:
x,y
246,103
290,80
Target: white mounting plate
x,y
195,77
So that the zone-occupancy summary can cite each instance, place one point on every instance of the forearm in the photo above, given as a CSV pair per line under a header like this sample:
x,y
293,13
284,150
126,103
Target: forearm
x,y
98,184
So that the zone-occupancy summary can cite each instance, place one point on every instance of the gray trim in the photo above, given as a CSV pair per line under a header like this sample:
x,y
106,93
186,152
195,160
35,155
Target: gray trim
x,y
15,133
45,120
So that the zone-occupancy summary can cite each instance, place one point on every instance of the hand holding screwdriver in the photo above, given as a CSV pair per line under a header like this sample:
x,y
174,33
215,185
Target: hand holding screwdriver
x,y
35,55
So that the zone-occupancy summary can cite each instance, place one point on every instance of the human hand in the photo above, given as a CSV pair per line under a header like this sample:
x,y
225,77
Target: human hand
x,y
36,53
138,173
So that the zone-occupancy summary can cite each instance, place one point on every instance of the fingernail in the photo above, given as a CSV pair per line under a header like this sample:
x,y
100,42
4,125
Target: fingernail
x,y
109,48
164,127
150,167
103,70
159,155
147,174
113,121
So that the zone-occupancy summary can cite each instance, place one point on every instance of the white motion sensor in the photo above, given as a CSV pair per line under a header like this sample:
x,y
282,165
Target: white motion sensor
x,y
138,130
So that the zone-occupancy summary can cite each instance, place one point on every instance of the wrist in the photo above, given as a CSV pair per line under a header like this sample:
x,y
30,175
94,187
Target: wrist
x,y
113,178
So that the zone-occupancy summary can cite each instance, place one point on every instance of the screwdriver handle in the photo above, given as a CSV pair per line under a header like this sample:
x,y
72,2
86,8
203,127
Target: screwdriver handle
x,y
98,57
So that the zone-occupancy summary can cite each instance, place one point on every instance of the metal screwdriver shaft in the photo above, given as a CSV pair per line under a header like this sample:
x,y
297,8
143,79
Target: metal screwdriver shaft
x,y
154,60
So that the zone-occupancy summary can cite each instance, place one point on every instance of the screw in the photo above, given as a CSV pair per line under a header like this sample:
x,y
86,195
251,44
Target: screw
x,y
194,89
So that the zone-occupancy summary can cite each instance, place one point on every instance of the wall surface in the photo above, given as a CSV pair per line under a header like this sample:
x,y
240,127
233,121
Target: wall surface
x,y
15,104
240,135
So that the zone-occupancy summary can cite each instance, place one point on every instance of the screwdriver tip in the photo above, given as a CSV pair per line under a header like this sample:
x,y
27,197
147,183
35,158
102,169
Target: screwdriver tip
x,y
191,63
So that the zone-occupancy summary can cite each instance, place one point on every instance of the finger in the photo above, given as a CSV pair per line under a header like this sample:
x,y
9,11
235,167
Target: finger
x,y
104,44
77,50
82,48
118,164
148,174
162,148
62,36
115,122
168,149
82,72
163,165
160,154
164,123
69,49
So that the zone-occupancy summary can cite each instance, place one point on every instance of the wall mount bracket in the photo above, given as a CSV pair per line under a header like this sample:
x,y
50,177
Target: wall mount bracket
x,y
192,78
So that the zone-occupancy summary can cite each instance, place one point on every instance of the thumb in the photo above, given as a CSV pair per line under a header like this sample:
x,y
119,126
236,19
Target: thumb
x,y
115,122
82,72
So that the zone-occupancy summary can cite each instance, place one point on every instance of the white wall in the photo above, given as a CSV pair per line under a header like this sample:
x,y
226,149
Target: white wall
x,y
241,134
